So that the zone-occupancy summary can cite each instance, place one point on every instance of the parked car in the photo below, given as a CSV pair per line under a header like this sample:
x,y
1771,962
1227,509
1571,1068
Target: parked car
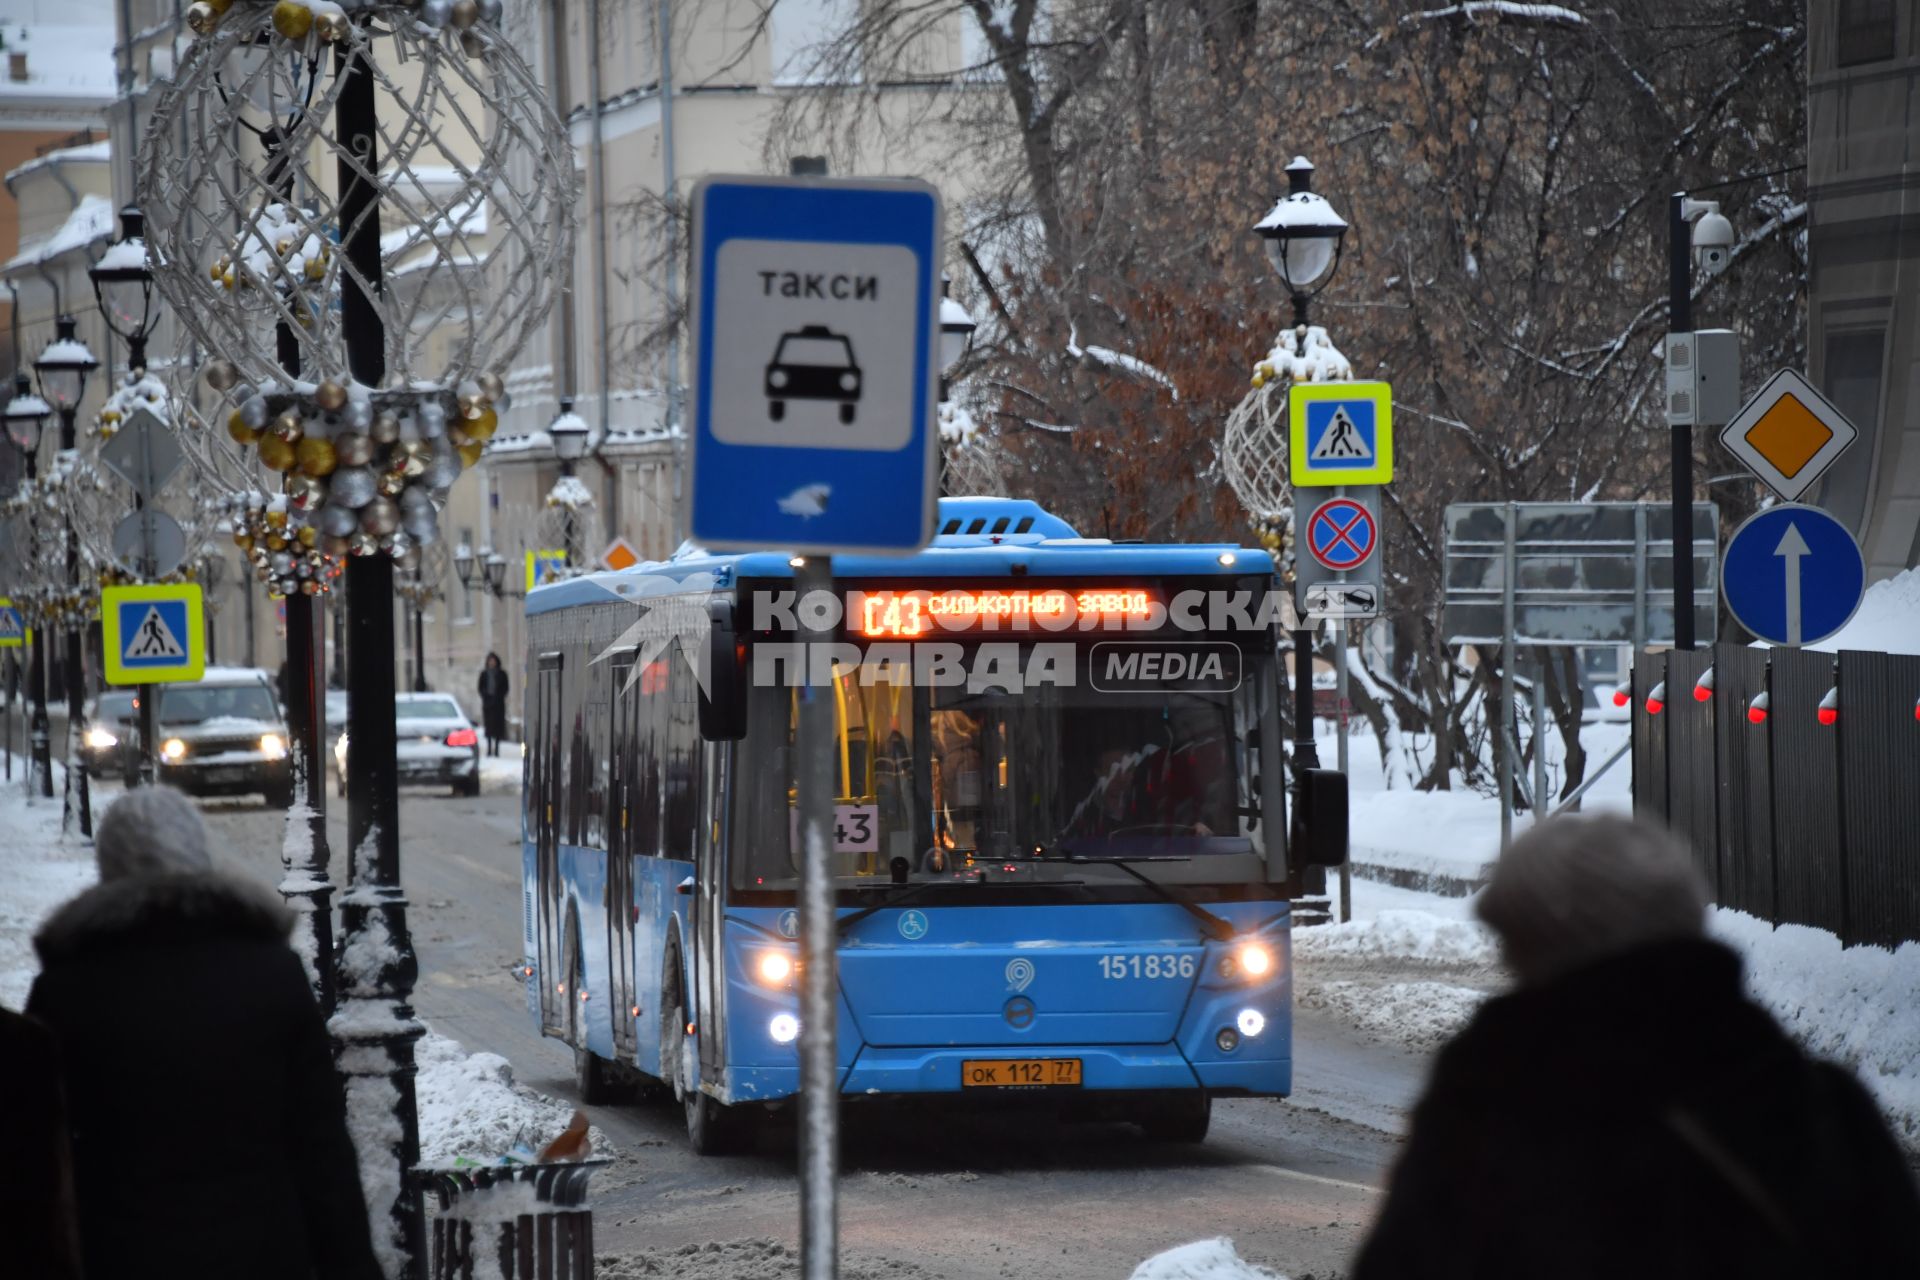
x,y
223,735
110,735
435,743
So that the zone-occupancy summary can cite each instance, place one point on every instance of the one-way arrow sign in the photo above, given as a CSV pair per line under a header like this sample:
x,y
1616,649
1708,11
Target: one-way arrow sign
x,y
1793,575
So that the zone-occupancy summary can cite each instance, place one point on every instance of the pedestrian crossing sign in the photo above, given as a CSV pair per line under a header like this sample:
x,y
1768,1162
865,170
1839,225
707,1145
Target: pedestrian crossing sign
x,y
14,631
1340,433
153,634
544,567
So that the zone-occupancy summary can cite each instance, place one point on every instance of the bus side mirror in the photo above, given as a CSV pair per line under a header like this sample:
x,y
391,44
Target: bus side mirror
x,y
1320,818
723,678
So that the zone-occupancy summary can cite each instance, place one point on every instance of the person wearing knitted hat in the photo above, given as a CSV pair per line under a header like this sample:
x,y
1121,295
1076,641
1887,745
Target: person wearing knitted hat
x,y
1627,1109
207,1125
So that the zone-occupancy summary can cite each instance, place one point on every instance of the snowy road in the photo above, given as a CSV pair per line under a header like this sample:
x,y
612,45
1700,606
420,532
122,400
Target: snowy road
x,y
927,1195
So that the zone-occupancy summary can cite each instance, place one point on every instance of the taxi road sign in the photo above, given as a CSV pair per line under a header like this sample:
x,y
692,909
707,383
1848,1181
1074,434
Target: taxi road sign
x,y
1341,534
153,634
544,567
14,631
1340,433
1789,434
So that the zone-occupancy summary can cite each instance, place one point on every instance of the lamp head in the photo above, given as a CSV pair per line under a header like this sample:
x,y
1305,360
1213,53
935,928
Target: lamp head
x,y
64,365
26,413
569,431
123,279
1302,233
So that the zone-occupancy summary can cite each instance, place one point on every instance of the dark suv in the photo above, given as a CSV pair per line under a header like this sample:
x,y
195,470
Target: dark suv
x,y
812,363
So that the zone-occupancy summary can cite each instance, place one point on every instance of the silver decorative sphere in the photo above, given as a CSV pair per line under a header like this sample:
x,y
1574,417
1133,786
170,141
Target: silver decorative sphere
x,y
358,415
354,487
422,526
221,374
433,420
253,412
352,450
442,470
380,517
436,13
386,427
337,520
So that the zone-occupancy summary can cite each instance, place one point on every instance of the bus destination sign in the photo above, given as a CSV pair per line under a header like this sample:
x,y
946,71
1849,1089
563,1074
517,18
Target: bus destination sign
x,y
932,614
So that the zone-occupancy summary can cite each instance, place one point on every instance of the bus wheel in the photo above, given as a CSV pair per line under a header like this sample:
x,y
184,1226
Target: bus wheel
x,y
592,1079
713,1129
1177,1117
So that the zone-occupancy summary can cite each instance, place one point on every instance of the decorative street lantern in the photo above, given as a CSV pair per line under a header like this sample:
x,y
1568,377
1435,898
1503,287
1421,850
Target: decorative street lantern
x,y
62,369
123,286
26,416
1303,237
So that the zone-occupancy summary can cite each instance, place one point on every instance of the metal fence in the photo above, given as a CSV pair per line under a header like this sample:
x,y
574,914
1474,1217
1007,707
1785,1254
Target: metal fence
x,y
1794,815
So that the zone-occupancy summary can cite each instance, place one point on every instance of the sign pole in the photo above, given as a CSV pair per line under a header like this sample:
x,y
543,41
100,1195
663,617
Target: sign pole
x,y
144,693
1504,745
1539,740
819,949
1680,321
1340,752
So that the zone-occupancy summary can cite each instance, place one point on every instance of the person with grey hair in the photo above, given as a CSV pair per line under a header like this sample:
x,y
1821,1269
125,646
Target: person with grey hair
x,y
1626,1109
207,1125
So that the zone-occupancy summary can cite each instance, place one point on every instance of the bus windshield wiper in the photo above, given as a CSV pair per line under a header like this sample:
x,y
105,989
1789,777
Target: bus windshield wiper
x,y
1216,927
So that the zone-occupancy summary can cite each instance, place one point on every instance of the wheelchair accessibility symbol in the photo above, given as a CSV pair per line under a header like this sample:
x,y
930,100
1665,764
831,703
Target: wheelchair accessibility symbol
x,y
913,926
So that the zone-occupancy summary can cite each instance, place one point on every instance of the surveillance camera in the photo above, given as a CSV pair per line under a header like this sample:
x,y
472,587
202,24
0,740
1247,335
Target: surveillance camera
x,y
1713,241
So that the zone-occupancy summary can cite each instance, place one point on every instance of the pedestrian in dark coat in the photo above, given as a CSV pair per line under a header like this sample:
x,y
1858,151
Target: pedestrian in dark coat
x,y
208,1127
1628,1111
39,1219
493,702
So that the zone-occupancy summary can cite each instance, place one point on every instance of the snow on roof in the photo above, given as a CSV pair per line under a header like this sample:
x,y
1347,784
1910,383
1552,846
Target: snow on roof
x,y
90,153
1888,620
72,60
91,219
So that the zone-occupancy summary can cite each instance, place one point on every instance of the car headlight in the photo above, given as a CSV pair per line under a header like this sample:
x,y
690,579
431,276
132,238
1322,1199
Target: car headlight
x,y
777,378
100,739
1252,959
774,967
173,749
273,746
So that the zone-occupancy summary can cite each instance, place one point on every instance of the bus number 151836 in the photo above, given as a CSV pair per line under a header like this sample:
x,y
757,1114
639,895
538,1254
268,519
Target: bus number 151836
x,y
1151,966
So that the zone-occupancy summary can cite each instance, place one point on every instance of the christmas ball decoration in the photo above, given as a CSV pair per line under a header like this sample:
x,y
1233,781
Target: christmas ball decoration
x,y
470,453
330,395
253,410
392,483
292,19
331,26
380,517
443,468
237,428
288,427
481,426
304,491
276,453
337,544
337,520
433,420
221,375
386,428
202,18
491,385
353,450
436,13
464,13
358,415
362,544
353,487
410,457
317,456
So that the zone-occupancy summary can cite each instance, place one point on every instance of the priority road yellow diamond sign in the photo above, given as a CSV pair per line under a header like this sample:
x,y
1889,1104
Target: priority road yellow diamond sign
x,y
1789,434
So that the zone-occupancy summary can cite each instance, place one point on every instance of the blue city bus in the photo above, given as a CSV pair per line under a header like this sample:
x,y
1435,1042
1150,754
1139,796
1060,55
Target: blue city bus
x,y
1062,857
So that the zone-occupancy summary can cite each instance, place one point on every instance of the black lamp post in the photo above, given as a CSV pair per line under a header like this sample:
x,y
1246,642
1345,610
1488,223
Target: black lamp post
x,y
62,370
123,286
26,417
569,431
956,336
1304,238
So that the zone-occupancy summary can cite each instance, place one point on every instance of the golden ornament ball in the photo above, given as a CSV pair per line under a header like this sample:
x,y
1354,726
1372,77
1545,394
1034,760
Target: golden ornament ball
x,y
317,456
332,26
482,426
316,268
292,20
310,587
330,395
202,18
276,519
470,454
288,427
392,483
220,6
472,405
243,540
465,14
276,543
308,535
283,246
237,428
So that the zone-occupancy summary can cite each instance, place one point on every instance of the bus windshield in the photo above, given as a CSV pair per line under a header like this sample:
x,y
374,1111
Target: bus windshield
x,y
1033,783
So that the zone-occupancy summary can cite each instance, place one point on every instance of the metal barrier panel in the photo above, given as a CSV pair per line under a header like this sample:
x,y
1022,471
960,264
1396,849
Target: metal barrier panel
x,y
1649,740
1690,759
1879,741
1810,879
1746,794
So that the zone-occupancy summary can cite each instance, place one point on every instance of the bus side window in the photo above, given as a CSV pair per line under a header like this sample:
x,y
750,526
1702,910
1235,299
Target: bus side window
x,y
650,736
682,757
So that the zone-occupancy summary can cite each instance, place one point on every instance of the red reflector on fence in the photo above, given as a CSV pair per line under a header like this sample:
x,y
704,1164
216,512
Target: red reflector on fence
x,y
1622,696
1657,699
1758,708
1829,712
1703,687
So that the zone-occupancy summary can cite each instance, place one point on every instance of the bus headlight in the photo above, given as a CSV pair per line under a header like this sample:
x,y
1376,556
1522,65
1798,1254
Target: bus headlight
x,y
774,968
783,1028
273,746
173,749
1251,1022
1254,960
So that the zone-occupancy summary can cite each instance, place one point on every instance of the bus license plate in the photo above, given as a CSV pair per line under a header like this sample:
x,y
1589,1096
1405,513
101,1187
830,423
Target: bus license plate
x,y
1015,1073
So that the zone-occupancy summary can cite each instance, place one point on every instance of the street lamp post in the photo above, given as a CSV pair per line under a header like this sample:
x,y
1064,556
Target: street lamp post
x,y
26,416
569,431
62,370
1692,226
956,336
1304,238
123,286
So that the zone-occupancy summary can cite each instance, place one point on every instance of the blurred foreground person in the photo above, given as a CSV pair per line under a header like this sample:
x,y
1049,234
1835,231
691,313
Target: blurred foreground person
x,y
1627,1111
39,1224
208,1129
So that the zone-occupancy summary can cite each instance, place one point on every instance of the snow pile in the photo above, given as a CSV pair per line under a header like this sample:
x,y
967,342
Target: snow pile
x,y
1213,1259
1854,1006
570,492
1417,936
743,1260
134,394
38,872
1303,354
470,1106
1414,1015
1888,620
